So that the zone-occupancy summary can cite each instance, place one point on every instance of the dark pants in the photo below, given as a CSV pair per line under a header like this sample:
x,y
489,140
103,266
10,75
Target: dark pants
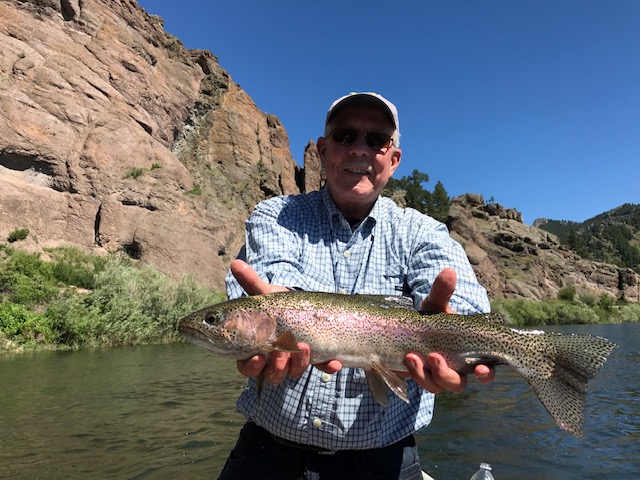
x,y
258,455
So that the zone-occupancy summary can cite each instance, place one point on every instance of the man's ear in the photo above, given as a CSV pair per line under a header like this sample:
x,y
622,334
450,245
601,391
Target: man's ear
x,y
321,145
395,159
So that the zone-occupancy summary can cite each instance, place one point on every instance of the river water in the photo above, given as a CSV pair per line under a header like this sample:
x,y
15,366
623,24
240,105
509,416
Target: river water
x,y
164,412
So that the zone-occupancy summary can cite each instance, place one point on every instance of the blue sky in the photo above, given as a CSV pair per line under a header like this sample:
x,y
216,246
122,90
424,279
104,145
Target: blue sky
x,y
534,103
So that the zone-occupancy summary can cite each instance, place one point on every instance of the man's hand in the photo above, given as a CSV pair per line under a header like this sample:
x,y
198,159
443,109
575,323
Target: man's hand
x,y
280,364
436,375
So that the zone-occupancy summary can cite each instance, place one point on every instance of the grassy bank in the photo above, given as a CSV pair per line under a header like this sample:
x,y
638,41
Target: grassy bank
x,y
77,300
520,312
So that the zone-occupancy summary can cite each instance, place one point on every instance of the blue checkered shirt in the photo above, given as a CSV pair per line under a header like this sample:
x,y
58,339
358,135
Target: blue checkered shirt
x,y
304,242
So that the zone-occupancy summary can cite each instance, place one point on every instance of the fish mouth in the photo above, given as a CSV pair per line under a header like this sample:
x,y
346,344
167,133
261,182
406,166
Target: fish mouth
x,y
190,332
196,337
216,344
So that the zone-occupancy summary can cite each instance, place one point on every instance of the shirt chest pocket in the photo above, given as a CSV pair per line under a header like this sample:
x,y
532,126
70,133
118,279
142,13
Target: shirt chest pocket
x,y
394,278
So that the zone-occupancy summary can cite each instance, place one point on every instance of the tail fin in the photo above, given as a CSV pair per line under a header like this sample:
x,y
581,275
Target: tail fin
x,y
577,359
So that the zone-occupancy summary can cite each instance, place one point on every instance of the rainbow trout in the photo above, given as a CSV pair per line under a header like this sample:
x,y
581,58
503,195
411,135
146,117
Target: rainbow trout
x,y
376,332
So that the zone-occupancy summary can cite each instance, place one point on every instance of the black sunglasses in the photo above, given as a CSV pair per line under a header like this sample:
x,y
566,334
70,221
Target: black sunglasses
x,y
375,140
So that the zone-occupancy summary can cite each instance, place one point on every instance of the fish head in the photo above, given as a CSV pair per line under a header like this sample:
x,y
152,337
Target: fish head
x,y
236,329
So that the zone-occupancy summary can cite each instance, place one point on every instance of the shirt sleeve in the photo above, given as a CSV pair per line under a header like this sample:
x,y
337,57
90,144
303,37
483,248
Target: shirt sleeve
x,y
272,247
434,250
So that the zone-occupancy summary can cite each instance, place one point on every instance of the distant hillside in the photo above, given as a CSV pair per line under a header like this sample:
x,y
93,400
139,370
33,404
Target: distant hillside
x,y
611,237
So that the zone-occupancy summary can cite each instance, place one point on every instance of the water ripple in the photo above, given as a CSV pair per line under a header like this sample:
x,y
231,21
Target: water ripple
x,y
163,412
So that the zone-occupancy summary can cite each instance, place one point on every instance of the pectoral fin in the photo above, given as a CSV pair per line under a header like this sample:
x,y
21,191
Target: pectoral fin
x,y
284,343
383,380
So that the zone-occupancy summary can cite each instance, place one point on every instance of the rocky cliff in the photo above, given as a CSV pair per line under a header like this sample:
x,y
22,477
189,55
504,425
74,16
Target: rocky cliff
x,y
115,137
512,259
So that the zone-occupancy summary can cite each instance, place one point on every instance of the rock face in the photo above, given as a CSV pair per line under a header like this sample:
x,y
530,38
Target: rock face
x,y
116,137
312,173
512,259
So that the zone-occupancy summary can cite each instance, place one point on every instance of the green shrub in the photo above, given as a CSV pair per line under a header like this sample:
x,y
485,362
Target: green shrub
x,y
135,173
142,304
606,301
567,293
124,304
12,318
589,300
196,191
130,305
26,279
520,312
72,320
18,323
570,314
72,266
627,313
18,234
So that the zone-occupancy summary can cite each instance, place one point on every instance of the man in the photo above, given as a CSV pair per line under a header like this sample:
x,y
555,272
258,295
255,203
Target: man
x,y
321,421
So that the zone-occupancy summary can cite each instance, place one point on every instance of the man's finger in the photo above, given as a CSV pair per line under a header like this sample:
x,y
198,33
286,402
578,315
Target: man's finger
x,y
440,294
249,279
485,374
420,374
277,368
253,366
331,367
443,376
299,360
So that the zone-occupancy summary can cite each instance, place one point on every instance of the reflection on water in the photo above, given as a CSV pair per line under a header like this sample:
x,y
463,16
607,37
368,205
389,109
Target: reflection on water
x,y
138,412
159,412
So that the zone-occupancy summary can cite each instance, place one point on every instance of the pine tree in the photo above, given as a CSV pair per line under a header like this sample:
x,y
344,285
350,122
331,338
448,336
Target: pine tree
x,y
440,201
435,204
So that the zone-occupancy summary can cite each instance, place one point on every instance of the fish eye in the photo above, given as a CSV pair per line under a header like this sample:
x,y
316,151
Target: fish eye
x,y
212,318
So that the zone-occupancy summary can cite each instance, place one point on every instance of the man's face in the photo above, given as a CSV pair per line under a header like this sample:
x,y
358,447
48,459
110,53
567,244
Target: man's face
x,y
356,174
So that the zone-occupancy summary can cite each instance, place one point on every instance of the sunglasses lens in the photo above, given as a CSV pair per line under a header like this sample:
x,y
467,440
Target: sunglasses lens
x,y
344,136
375,140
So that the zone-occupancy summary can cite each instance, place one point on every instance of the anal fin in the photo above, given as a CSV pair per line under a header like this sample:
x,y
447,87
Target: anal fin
x,y
383,380
378,387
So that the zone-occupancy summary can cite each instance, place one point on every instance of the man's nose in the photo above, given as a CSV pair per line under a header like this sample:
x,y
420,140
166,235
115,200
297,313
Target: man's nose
x,y
359,146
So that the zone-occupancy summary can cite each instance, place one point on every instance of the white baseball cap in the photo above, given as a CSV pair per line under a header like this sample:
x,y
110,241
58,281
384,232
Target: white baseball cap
x,y
371,98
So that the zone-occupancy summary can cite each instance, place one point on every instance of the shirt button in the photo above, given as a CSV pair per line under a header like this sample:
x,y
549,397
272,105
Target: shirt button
x,y
347,254
326,377
317,422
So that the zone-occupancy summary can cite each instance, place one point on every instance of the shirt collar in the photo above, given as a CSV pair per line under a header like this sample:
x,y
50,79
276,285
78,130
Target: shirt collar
x,y
377,213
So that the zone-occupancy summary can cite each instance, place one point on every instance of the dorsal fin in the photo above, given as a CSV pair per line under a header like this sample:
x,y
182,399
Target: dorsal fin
x,y
388,301
492,317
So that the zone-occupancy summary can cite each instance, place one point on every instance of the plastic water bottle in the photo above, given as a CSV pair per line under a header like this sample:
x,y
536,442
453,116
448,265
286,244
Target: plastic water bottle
x,y
484,473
